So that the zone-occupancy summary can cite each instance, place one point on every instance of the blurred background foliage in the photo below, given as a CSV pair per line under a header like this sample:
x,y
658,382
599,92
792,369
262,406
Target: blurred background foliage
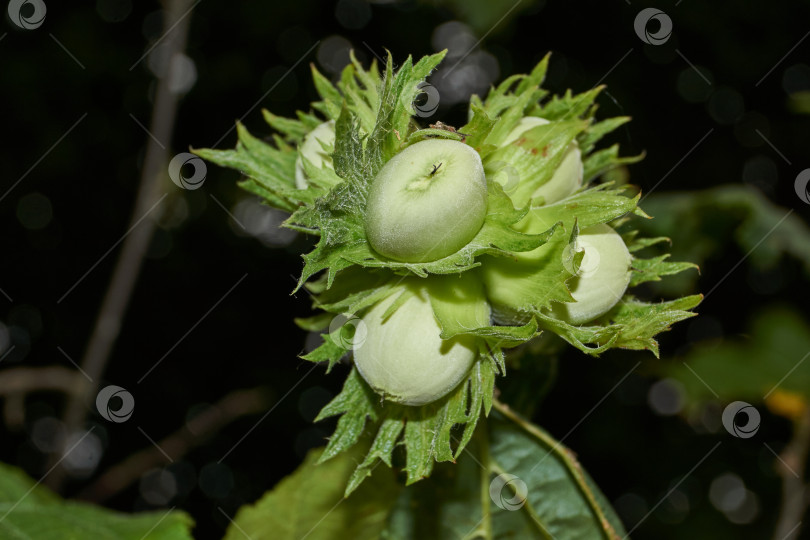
x,y
719,109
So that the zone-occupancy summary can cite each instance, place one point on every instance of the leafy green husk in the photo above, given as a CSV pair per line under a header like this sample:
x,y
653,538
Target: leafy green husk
x,y
631,324
426,432
373,114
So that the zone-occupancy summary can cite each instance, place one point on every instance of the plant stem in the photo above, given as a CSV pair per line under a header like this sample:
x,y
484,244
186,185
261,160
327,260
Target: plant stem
x,y
17,383
483,435
128,266
795,492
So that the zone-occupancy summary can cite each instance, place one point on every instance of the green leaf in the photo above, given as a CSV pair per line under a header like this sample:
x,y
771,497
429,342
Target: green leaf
x,y
349,157
309,504
330,351
590,207
513,90
635,243
460,306
293,130
332,100
702,222
381,449
770,356
356,404
504,336
354,290
270,170
594,134
314,323
561,499
569,106
532,280
630,325
30,511
458,302
478,128
602,161
645,270
640,321
600,338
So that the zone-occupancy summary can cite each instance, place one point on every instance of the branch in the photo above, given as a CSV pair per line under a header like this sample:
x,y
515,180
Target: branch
x,y
795,493
16,383
192,434
128,266
24,380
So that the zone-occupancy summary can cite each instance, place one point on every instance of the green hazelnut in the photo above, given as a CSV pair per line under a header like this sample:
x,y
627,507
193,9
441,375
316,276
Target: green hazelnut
x,y
513,283
568,176
427,202
312,149
403,358
603,276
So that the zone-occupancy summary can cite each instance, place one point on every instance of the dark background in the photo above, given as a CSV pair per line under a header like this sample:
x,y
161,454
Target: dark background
x,y
74,205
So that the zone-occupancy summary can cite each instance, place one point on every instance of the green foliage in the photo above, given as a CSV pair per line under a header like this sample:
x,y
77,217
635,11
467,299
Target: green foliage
x,y
561,500
462,500
771,356
630,325
483,15
30,511
309,504
269,170
704,223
